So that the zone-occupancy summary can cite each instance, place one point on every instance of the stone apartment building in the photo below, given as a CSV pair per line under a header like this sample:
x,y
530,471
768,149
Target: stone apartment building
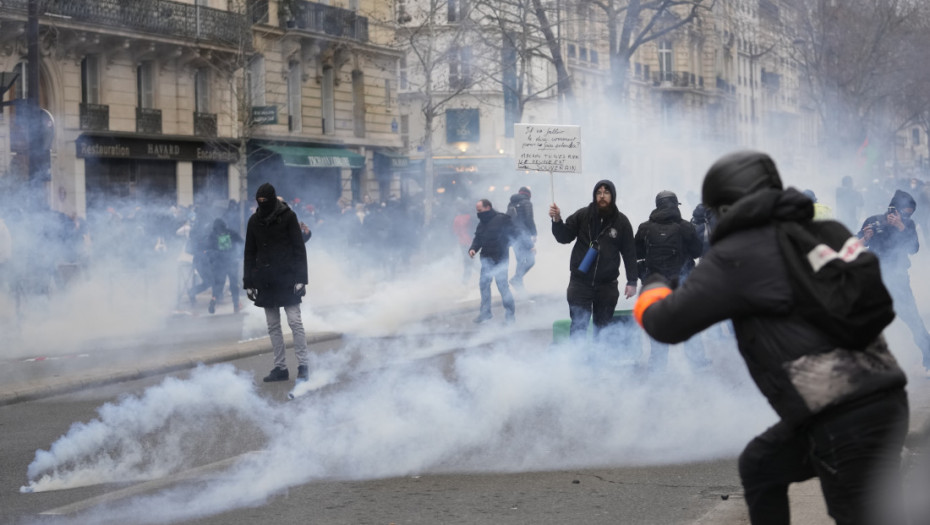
x,y
171,101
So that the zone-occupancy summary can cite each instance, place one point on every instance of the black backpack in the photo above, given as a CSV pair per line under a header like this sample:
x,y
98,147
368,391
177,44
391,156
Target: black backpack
x,y
836,280
664,249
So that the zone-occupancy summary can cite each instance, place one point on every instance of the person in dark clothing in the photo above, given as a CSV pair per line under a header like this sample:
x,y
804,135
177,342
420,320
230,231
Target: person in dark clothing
x,y
601,230
520,210
843,413
848,203
275,276
893,237
667,245
704,222
224,263
492,240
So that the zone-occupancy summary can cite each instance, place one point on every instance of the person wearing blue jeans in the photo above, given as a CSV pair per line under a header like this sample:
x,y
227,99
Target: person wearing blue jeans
x,y
492,240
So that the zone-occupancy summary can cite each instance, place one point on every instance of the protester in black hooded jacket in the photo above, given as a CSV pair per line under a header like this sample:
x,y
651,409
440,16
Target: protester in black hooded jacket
x,y
223,243
893,237
275,275
599,225
492,239
667,244
844,413
520,210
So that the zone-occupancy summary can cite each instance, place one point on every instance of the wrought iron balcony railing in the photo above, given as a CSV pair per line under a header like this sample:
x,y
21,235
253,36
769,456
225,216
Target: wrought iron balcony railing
x,y
148,120
160,17
95,117
205,124
333,21
678,79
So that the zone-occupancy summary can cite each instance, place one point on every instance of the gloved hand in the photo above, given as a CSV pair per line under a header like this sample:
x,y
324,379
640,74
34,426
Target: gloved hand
x,y
251,293
299,290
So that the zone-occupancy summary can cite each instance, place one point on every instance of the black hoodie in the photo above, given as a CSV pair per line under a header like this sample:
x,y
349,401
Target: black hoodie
x,y
743,278
613,233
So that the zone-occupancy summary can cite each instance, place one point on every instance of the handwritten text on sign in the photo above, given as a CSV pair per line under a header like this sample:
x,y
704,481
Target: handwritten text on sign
x,y
542,147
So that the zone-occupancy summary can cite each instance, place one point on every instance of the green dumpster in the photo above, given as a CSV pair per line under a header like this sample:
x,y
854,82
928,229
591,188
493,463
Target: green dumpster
x,y
561,327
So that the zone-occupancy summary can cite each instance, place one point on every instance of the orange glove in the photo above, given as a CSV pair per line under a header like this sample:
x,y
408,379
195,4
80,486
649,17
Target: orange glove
x,y
647,298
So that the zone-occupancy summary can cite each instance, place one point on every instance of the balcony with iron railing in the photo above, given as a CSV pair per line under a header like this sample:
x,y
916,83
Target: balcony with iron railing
x,y
329,20
677,79
155,17
94,117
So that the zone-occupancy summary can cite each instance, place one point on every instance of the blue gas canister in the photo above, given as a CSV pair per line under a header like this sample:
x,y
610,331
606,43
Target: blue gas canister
x,y
588,259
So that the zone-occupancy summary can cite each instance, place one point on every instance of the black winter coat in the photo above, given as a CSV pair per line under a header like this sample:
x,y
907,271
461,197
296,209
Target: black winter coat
x,y
743,277
522,215
892,246
493,235
614,235
690,247
275,257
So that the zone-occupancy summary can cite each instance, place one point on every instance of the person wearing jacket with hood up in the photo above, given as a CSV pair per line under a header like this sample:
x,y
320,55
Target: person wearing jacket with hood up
x,y
893,237
275,276
520,210
843,412
667,245
604,236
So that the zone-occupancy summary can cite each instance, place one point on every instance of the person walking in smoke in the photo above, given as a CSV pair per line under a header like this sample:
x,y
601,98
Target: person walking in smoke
x,y
848,203
667,245
843,413
893,237
275,276
222,243
520,210
492,240
603,239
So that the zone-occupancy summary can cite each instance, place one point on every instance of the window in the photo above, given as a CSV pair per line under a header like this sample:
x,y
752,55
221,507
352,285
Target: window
x,y
402,74
460,68
145,89
457,10
405,130
90,80
202,91
594,56
915,136
294,122
20,87
665,61
571,51
328,90
256,80
358,102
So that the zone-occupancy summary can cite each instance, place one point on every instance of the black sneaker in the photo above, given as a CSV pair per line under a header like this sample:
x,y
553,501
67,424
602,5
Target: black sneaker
x,y
277,374
212,307
302,373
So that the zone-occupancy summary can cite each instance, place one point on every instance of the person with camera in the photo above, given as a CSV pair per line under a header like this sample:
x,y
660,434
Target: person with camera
x,y
603,239
893,237
275,276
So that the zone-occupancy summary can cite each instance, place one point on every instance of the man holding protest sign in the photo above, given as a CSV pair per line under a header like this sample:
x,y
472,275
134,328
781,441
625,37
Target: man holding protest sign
x,y
603,239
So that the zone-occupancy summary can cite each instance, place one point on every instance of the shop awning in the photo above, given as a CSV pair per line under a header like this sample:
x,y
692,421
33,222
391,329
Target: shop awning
x,y
389,161
302,157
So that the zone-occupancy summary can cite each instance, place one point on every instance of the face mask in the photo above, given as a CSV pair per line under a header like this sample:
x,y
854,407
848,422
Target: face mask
x,y
267,206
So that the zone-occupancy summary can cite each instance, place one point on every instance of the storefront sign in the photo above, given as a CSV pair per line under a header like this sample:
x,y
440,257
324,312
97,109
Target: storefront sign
x,y
463,125
264,115
109,146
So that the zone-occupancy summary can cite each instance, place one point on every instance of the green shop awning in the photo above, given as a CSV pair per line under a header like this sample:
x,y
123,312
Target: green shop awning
x,y
301,157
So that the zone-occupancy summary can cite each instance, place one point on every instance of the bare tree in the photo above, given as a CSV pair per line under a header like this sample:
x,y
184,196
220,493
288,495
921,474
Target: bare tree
x,y
445,60
848,57
633,23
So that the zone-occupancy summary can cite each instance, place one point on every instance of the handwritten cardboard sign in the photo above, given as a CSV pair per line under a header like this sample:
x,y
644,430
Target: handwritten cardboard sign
x,y
547,147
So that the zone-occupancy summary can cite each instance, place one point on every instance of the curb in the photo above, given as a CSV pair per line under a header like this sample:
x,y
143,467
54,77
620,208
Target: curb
x,y
40,389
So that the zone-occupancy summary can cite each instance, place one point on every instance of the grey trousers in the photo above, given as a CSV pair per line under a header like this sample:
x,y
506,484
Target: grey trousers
x,y
273,318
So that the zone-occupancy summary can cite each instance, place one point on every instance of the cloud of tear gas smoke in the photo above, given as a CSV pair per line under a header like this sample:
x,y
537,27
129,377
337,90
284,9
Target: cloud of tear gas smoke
x,y
404,406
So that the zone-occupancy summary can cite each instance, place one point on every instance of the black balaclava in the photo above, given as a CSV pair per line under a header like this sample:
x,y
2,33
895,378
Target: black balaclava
x,y
266,190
